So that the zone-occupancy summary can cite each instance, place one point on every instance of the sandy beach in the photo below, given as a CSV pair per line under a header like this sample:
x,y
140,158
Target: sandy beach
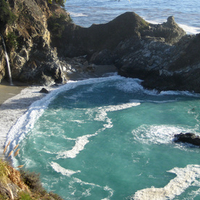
x,y
14,101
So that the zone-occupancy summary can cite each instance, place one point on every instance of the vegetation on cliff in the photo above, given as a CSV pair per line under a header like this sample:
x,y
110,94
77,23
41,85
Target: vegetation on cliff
x,y
59,2
6,15
22,185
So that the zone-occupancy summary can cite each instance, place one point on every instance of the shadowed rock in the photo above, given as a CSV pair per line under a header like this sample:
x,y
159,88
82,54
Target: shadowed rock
x,y
44,90
190,138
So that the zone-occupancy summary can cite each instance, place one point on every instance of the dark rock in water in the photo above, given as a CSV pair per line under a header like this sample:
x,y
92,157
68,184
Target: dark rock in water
x,y
190,138
44,90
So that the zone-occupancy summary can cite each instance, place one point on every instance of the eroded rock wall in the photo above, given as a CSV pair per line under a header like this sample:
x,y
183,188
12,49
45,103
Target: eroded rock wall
x,y
32,58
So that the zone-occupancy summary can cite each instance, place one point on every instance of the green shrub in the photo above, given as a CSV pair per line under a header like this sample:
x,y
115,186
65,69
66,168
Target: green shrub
x,y
11,41
56,24
24,196
3,171
55,196
6,15
59,2
32,180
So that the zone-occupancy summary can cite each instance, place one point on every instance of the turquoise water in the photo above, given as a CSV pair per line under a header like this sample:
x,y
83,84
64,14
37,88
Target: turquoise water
x,y
109,138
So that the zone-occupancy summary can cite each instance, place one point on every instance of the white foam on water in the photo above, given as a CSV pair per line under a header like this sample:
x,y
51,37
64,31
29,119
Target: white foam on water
x,y
26,122
101,115
183,93
130,85
185,178
110,190
102,111
157,134
190,29
120,107
62,170
74,14
134,85
80,143
93,185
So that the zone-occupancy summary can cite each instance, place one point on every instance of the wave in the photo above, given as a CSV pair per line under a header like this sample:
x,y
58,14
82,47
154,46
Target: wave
x,y
101,115
87,192
190,29
74,14
62,170
26,122
185,177
157,134
79,146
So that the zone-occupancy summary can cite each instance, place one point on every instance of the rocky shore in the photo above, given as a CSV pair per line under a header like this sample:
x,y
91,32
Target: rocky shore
x,y
44,45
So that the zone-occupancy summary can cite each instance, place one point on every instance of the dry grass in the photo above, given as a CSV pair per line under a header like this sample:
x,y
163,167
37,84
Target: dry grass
x,y
21,185
4,172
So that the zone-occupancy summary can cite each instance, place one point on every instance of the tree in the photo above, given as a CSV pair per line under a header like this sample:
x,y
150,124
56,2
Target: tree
x,y
6,15
59,2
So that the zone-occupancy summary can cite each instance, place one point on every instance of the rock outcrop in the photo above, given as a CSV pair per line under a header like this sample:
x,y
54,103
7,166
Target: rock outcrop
x,y
189,138
32,58
42,39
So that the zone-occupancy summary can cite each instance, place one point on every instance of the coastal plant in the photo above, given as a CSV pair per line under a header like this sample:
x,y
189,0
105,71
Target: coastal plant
x,y
6,15
24,196
56,24
32,180
15,151
29,182
59,2
11,41
144,25
4,172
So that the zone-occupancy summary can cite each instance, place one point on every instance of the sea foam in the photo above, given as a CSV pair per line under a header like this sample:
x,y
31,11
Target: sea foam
x,y
26,122
62,170
101,115
185,178
157,134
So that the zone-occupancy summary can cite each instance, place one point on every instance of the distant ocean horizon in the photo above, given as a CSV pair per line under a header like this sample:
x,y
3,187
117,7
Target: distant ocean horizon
x,y
185,12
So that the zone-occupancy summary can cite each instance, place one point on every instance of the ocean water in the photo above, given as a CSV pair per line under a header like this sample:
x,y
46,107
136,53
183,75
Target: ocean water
x,y
109,138
88,12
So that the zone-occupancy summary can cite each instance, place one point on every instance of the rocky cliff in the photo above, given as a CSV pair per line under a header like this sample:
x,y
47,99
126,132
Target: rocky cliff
x,y
43,42
27,37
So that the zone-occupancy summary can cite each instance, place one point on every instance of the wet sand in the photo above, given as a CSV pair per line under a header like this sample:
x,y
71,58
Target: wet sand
x,y
7,91
14,100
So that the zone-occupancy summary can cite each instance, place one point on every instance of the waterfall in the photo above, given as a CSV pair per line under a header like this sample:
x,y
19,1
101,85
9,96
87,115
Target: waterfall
x,y
7,60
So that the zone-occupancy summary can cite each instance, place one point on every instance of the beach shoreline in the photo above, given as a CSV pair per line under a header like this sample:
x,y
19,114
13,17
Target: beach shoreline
x,y
15,100
13,108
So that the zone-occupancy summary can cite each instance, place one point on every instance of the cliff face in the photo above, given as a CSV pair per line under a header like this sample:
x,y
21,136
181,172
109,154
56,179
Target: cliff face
x,y
43,42
32,58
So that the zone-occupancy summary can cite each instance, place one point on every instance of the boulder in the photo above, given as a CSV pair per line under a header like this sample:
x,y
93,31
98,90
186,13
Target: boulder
x,y
190,138
44,90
